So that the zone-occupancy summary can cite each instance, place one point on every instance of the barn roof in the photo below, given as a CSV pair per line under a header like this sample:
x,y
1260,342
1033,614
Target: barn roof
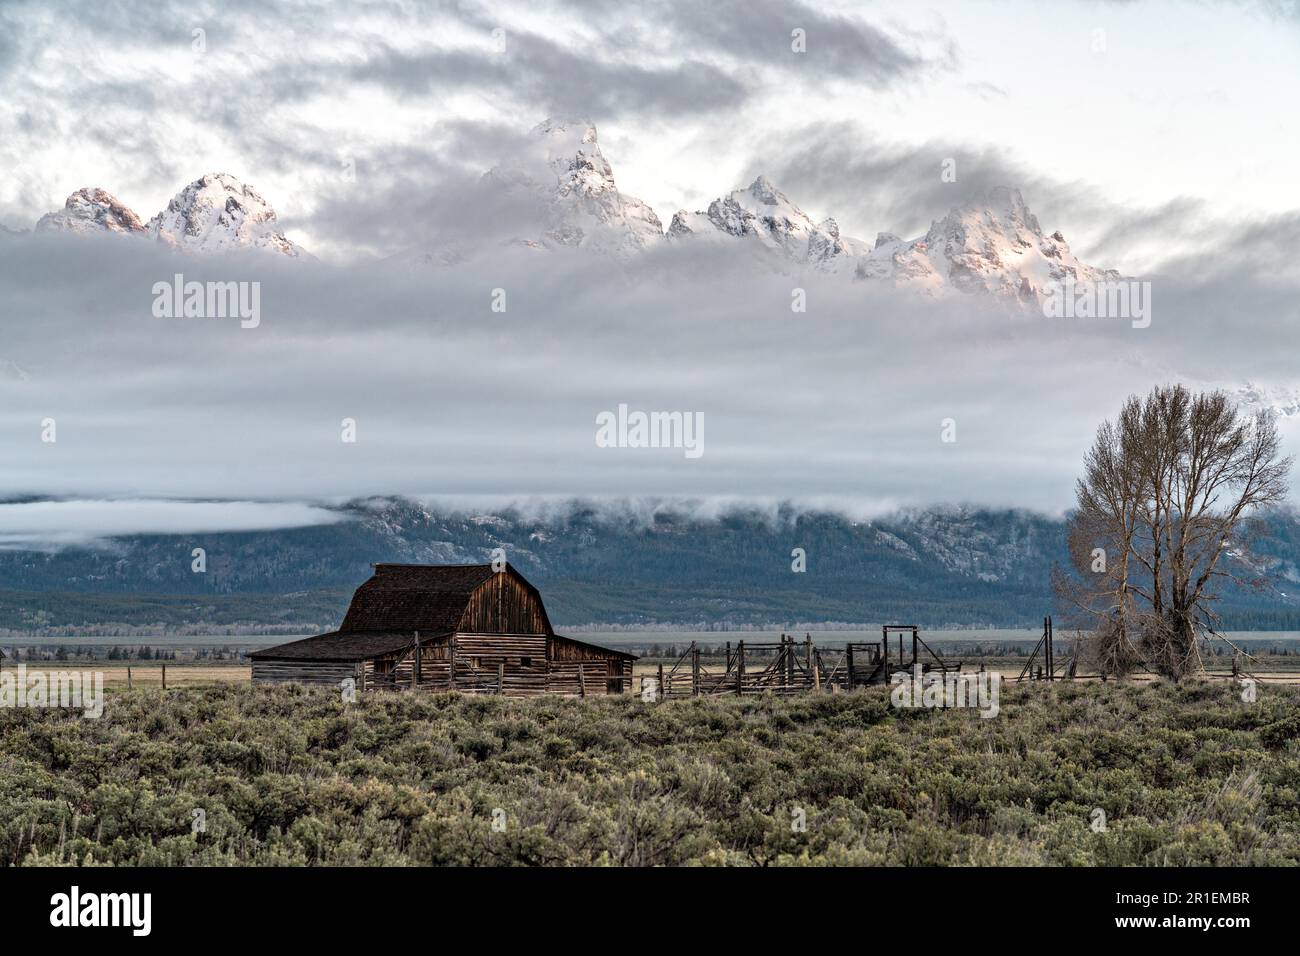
x,y
339,646
419,597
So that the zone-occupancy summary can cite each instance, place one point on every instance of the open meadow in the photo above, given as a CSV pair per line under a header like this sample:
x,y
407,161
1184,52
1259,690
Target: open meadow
x,y
1066,774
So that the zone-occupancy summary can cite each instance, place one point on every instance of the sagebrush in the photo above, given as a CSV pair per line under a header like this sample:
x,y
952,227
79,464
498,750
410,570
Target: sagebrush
x,y
290,776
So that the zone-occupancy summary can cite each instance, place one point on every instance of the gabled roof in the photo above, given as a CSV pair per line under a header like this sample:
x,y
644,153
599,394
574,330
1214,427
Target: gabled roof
x,y
419,597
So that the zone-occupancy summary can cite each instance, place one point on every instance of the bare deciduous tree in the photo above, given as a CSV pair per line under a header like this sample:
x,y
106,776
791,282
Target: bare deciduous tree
x,y
1164,496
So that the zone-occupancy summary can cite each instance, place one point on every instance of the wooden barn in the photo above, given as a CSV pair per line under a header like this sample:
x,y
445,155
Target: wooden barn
x,y
448,627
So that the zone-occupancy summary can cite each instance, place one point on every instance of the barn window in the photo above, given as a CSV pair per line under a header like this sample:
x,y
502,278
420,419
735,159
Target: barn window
x,y
474,661
525,662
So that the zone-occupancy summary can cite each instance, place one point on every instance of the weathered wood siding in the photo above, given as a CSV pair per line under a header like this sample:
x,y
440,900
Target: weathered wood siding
x,y
563,649
587,678
304,672
514,665
599,673
503,605
514,662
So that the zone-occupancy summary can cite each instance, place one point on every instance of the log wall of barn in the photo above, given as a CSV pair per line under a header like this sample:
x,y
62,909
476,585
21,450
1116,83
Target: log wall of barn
x,y
482,662
503,605
566,650
519,665
304,672
587,678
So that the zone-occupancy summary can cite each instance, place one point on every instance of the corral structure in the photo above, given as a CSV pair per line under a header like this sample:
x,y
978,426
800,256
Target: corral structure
x,y
795,667
470,628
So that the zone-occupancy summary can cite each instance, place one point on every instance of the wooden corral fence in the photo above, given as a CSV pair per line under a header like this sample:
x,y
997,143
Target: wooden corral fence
x,y
790,666
1043,663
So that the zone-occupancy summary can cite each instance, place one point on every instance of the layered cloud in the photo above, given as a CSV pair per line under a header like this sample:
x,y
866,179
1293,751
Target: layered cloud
x,y
368,126
851,399
60,523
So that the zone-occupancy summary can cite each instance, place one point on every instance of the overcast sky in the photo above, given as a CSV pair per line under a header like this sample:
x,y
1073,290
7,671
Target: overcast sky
x,y
1159,137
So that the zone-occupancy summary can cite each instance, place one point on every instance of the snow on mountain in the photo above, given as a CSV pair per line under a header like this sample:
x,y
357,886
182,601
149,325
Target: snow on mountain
x,y
560,192
992,246
92,210
763,214
216,212
220,213
565,174
1281,400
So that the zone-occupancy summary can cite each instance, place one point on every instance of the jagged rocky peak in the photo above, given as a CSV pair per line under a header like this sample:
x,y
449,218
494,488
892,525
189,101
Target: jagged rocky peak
x,y
92,210
762,213
218,213
572,153
565,177
993,245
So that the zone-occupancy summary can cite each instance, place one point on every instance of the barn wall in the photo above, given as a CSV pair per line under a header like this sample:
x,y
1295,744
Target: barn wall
x,y
304,672
562,650
598,667
503,605
481,661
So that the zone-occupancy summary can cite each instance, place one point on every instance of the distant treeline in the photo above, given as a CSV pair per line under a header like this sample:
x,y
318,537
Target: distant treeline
x,y
88,653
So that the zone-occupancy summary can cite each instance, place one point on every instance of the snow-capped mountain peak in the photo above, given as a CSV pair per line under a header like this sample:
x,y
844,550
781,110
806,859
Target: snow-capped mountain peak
x,y
92,210
564,174
218,213
994,245
762,213
1282,400
572,153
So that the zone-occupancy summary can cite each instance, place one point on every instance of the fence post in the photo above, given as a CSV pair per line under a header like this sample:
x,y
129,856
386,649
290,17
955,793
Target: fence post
x,y
1051,662
582,681
164,677
128,676
695,669
849,658
501,677
662,691
740,668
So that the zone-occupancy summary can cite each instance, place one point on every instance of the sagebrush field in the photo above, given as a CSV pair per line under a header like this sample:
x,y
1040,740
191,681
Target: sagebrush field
x,y
1184,774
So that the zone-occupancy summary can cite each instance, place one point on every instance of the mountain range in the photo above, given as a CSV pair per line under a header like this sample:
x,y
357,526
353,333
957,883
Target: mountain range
x,y
622,564
214,213
564,194
565,185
